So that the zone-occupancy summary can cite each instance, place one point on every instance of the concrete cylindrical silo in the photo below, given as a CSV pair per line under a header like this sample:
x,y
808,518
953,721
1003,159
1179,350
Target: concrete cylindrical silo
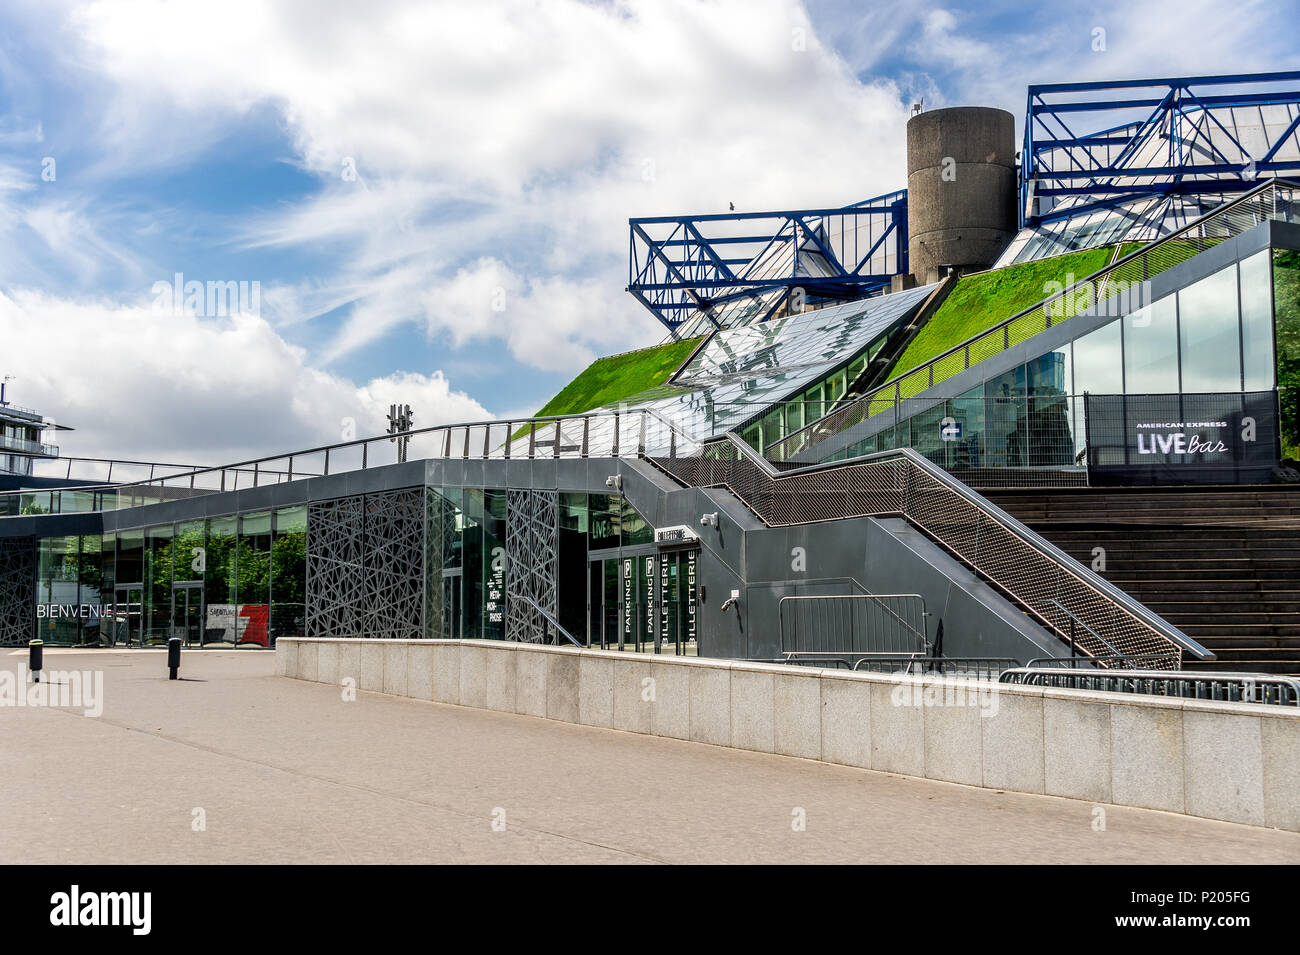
x,y
961,188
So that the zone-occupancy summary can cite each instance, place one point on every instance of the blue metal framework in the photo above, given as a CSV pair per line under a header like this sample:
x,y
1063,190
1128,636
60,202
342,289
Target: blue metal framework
x,y
701,272
1180,136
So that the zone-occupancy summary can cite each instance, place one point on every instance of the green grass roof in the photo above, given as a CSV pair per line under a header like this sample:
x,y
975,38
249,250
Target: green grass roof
x,y
983,300
607,381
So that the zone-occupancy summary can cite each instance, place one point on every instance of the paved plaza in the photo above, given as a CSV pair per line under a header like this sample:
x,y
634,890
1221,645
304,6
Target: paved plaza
x,y
236,765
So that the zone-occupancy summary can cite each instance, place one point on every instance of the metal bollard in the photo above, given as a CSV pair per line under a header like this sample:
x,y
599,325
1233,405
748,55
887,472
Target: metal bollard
x,y
35,658
173,656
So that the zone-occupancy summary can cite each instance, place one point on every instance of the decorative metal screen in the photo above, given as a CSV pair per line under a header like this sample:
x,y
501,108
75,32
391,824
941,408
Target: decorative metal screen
x,y
394,562
532,529
335,583
17,590
365,566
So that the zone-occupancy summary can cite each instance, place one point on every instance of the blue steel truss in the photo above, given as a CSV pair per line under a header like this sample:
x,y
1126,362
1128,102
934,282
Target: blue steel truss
x,y
1187,136
712,271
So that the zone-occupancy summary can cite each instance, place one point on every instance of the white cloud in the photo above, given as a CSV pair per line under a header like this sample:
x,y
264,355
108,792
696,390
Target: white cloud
x,y
522,134
166,387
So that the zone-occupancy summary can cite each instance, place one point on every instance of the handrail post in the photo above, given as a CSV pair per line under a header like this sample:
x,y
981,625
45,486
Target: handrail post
x,y
291,467
556,453
614,450
464,449
327,462
255,464
586,433
365,449
487,441
640,448
510,430
532,439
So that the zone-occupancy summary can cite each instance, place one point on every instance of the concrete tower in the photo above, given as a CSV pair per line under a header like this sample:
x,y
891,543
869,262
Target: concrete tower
x,y
961,189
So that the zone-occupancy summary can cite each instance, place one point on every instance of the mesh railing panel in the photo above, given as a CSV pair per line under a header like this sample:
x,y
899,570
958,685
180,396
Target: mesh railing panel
x,y
1051,586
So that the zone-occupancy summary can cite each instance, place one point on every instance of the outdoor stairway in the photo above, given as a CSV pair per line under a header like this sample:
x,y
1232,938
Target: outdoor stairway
x,y
1221,563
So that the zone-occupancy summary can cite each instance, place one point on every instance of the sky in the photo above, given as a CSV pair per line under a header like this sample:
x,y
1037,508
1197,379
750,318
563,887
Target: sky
x,y
428,202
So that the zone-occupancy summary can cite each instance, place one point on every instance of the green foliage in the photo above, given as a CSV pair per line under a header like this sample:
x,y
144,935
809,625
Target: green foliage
x,y
609,380
981,301
1286,312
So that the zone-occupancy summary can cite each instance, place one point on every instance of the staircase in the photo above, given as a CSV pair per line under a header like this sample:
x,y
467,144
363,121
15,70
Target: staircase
x,y
1222,563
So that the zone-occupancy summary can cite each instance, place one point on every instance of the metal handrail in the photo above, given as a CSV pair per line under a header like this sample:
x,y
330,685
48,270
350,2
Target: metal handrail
x,y
629,439
548,617
1045,305
1074,620
1228,687
706,471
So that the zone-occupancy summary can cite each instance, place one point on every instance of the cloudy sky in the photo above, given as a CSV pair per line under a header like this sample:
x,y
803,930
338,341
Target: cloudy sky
x,y
433,197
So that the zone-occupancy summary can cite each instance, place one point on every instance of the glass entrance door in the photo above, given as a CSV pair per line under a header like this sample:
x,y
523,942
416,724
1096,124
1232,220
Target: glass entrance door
x,y
187,613
125,626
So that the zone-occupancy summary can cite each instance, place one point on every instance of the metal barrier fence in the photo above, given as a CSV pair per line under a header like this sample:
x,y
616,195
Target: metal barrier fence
x,y
1231,687
1052,586
856,623
966,668
1118,288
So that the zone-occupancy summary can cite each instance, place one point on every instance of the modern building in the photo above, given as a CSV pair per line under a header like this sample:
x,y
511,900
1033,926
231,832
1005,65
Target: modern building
x,y
21,433
1115,309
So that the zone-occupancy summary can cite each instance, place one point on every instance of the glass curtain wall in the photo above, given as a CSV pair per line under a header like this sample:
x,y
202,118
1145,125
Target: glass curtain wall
x,y
288,614
1216,336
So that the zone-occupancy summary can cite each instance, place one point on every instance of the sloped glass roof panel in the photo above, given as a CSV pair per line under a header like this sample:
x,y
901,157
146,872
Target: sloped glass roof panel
x,y
741,372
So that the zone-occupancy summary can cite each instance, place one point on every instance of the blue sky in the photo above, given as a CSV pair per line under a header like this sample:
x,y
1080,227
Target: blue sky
x,y
477,258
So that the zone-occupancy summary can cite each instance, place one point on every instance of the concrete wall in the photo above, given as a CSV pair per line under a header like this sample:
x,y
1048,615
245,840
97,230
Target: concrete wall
x,y
1235,762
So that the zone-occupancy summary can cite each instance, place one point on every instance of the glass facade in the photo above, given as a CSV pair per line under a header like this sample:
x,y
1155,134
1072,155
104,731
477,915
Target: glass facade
x,y
1215,336
213,582
614,586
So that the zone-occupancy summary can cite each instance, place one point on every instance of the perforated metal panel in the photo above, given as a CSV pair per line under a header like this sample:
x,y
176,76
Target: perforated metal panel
x,y
532,529
365,566
17,590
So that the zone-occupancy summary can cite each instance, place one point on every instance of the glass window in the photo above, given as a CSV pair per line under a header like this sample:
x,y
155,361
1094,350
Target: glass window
x,y
1151,349
158,584
1049,375
1210,334
1257,321
253,581
636,530
190,551
288,616
1098,365
219,582
604,516
56,591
